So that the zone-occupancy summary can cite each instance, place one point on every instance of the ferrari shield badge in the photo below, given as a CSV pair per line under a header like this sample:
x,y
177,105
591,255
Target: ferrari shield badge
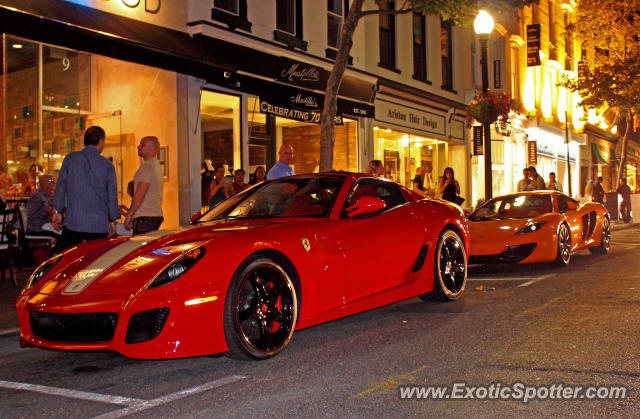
x,y
306,244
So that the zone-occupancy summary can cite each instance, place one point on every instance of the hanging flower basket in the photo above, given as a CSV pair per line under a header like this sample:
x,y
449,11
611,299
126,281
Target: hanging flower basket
x,y
487,108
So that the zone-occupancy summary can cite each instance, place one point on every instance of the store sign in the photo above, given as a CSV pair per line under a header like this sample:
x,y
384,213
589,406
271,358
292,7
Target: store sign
x,y
533,45
287,111
478,145
532,153
298,73
408,117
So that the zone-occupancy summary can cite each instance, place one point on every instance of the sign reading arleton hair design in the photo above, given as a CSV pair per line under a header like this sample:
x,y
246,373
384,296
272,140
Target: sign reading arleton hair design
x,y
409,117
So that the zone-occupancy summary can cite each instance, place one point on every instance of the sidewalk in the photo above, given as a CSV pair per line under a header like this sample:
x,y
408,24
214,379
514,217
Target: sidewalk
x,y
8,296
618,225
8,293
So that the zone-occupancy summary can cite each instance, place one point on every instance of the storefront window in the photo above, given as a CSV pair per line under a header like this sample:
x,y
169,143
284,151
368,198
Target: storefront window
x,y
53,94
220,116
403,153
66,79
267,133
305,139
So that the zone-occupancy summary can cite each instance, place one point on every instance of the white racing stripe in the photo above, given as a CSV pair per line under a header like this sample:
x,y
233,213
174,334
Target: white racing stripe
x,y
86,276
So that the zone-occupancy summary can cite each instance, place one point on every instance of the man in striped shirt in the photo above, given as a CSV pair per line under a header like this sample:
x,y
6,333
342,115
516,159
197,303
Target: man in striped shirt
x,y
87,193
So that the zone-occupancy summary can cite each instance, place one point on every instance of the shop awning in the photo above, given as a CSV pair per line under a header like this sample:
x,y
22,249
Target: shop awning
x,y
612,154
596,154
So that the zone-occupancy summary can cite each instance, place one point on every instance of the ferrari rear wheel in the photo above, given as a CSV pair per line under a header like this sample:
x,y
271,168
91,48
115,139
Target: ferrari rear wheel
x,y
605,239
564,246
450,268
261,310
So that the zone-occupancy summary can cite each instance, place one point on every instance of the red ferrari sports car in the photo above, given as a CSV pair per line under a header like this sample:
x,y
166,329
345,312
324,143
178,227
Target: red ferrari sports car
x,y
281,256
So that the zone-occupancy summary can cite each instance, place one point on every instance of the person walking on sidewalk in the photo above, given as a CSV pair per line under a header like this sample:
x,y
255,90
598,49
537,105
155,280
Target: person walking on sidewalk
x,y
598,191
625,206
145,213
86,192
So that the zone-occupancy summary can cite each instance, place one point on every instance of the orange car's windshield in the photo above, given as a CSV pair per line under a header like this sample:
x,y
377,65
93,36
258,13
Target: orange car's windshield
x,y
513,206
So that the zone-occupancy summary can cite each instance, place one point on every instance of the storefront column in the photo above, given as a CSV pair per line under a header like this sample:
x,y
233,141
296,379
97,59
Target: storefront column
x,y
365,142
189,153
244,136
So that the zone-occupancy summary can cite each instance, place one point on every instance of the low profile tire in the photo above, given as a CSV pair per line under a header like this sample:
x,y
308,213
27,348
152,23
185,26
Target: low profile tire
x,y
260,310
605,239
563,255
449,268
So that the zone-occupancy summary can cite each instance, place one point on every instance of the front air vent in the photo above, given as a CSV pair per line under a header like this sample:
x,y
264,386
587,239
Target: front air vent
x,y
146,325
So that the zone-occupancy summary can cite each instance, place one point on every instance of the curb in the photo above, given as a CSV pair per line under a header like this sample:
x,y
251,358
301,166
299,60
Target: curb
x,y
9,332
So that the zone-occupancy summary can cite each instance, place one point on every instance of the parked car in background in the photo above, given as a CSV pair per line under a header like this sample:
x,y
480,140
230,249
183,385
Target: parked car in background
x,y
538,226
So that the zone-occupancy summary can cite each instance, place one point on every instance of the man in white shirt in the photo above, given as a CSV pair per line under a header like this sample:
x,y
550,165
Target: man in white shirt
x,y
145,213
553,185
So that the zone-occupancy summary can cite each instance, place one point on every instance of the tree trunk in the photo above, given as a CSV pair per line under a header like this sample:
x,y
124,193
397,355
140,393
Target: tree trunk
x,y
623,155
327,119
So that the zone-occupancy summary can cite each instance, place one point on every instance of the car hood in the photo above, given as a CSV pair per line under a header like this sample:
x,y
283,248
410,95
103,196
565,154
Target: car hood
x,y
124,266
496,230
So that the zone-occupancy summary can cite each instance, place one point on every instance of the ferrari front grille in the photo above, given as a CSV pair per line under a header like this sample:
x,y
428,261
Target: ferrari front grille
x,y
73,327
146,325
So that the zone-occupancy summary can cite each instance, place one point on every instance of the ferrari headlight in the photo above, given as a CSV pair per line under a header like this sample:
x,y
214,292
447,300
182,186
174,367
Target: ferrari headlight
x,y
42,270
531,227
177,268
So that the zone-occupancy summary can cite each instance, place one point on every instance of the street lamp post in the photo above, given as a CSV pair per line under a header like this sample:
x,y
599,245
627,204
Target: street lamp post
x,y
483,25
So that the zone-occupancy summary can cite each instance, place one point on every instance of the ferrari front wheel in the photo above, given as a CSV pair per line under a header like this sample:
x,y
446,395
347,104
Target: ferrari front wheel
x,y
449,268
261,310
563,255
605,239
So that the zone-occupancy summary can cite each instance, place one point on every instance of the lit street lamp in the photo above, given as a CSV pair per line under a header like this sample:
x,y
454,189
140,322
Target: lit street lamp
x,y
483,25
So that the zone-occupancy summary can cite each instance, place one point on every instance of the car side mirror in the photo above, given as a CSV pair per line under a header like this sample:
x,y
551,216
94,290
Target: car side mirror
x,y
572,206
366,205
195,216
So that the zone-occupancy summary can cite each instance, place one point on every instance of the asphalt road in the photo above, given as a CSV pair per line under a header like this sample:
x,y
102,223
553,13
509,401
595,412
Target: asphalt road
x,y
533,325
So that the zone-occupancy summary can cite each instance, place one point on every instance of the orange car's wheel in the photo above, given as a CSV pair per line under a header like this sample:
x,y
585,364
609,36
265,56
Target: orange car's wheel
x,y
605,239
449,268
564,246
260,311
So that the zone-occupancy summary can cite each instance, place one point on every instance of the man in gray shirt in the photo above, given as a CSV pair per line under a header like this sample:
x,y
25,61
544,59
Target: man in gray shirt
x,y
87,193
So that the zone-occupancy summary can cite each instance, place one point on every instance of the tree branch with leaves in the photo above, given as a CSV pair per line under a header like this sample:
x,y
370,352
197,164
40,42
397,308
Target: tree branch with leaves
x,y
610,30
460,12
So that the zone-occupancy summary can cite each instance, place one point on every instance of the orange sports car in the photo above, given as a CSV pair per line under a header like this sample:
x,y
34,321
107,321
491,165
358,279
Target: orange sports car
x,y
538,226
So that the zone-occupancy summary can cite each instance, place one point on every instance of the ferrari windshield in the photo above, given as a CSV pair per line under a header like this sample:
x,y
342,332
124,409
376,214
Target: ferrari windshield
x,y
300,196
513,206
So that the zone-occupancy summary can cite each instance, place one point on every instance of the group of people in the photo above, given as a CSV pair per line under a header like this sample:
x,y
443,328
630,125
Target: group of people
x,y
216,186
448,187
26,181
532,181
84,201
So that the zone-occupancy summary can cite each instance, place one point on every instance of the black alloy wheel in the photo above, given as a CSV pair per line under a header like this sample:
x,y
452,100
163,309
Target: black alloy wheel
x,y
450,268
564,246
261,310
605,239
